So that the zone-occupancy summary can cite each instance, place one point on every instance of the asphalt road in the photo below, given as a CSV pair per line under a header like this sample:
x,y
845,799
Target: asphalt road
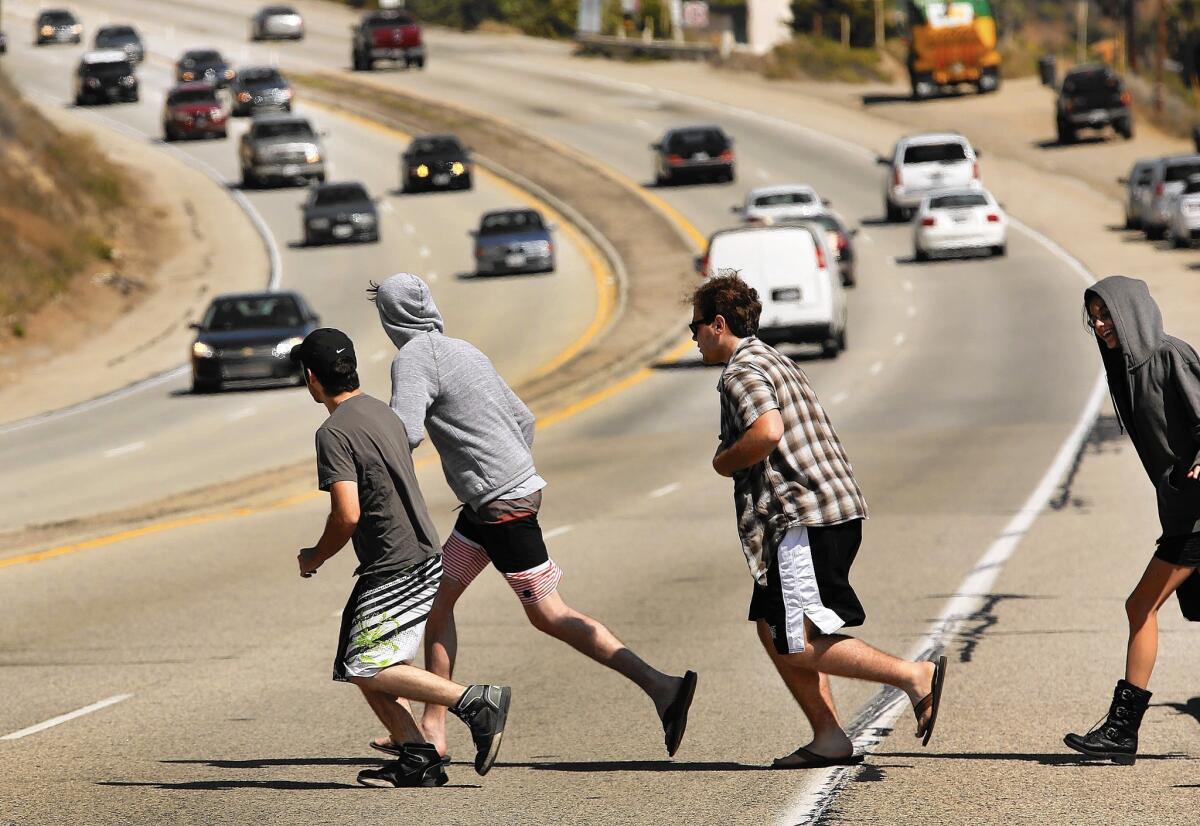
x,y
961,382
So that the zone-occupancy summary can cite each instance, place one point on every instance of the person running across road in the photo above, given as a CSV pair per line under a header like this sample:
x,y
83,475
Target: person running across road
x,y
484,436
799,514
364,463
1154,380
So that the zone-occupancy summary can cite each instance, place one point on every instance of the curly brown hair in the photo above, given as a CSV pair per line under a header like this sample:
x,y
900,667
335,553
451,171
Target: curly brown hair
x,y
728,296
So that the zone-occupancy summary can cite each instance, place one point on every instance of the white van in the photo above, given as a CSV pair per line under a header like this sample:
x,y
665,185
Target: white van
x,y
796,276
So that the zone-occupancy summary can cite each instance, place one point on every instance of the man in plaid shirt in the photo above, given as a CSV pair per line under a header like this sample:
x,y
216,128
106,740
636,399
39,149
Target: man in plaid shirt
x,y
800,515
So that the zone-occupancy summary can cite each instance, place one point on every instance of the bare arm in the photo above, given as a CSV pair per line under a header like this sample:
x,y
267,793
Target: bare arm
x,y
755,445
339,527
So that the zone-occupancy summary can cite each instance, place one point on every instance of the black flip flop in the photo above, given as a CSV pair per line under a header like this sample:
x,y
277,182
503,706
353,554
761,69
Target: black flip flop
x,y
675,718
806,759
932,700
391,748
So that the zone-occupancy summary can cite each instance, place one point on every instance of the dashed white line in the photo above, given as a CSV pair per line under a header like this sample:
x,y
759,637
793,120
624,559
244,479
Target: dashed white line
x,y
665,490
378,356
899,339
877,368
911,311
558,531
423,252
409,229
907,285
431,276
245,412
386,207
764,174
62,718
862,236
132,447
838,398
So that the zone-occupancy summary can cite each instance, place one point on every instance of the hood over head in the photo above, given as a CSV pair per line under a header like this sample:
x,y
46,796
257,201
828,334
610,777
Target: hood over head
x,y
406,308
1135,316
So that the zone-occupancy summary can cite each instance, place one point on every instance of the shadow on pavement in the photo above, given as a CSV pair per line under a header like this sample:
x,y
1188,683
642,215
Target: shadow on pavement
x,y
886,97
1052,143
1191,708
634,766
1058,759
266,762
224,785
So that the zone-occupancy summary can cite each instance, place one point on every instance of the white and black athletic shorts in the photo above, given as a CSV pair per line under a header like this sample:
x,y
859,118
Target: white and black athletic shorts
x,y
810,577
384,619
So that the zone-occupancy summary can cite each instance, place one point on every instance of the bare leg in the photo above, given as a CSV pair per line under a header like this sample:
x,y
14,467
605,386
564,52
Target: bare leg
x,y
1158,582
554,617
414,683
815,698
441,647
396,716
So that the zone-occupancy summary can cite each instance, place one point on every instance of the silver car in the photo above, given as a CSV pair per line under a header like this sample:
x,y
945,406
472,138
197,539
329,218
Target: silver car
x,y
277,23
1137,190
1167,181
281,148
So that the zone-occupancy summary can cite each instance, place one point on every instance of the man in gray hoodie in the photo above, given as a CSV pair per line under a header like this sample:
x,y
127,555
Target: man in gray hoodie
x,y
484,435
1154,380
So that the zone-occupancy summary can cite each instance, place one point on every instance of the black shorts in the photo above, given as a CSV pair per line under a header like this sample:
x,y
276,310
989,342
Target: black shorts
x,y
513,546
1180,550
810,577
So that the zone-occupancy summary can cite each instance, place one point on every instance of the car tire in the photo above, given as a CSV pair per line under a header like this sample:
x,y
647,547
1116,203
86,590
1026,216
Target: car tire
x,y
920,255
1125,129
250,180
79,100
202,387
419,63
134,98
894,213
224,133
830,348
467,182
1154,233
1132,223
1000,250
319,178
1066,135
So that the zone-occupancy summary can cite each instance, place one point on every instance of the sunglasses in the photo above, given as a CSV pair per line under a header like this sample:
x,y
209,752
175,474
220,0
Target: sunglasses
x,y
695,325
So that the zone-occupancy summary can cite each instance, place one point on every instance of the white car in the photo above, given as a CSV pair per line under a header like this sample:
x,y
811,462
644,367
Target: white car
x,y
1137,191
1166,182
924,164
277,23
1184,214
957,221
780,204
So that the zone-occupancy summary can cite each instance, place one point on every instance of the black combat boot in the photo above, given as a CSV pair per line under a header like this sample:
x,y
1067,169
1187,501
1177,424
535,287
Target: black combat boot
x,y
1115,737
419,765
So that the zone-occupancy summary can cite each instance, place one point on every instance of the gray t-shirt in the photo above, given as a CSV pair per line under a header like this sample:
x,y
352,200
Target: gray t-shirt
x,y
363,441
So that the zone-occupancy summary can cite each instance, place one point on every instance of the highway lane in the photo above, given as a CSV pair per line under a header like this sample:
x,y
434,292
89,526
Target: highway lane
x,y
230,435
961,380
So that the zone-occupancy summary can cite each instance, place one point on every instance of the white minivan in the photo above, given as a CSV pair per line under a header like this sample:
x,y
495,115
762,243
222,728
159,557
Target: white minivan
x,y
796,276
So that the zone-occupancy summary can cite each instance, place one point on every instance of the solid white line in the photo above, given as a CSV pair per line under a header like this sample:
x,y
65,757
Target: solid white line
x,y
244,413
132,447
558,531
664,490
899,339
877,368
62,718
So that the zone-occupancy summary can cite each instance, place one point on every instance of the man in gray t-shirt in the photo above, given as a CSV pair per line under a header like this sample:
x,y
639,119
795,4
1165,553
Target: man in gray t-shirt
x,y
364,463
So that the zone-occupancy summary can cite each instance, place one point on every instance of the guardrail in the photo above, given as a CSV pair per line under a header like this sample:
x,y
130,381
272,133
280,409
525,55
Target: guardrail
x,y
636,47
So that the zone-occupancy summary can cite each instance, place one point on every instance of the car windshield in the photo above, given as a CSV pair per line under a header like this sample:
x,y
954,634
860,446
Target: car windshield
x,y
935,153
499,222
1088,82
115,37
201,58
1182,171
260,77
689,142
57,18
958,201
783,199
384,20
436,146
286,129
269,11
194,96
348,194
118,68
250,312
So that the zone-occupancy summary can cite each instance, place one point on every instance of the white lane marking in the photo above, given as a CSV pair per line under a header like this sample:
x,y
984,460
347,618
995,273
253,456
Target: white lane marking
x,y
558,531
911,311
665,490
764,174
874,722
378,356
877,368
644,125
409,229
132,447
386,208
431,276
62,718
907,285
244,413
862,236
839,398
899,339
423,252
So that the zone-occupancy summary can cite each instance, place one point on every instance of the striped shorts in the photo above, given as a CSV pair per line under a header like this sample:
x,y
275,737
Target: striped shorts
x,y
515,547
384,619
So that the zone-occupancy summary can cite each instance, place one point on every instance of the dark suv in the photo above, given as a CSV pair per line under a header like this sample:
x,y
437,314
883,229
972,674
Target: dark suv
x,y
693,152
124,38
435,162
105,77
1092,97
260,89
57,26
204,66
339,212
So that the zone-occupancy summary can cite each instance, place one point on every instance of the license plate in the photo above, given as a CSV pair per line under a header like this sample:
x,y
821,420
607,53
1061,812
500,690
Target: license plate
x,y
291,169
201,120
441,180
1098,117
514,261
960,219
342,231
700,156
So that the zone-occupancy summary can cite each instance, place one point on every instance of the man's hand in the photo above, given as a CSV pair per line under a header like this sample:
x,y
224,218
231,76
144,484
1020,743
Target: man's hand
x,y
1194,473
309,560
755,445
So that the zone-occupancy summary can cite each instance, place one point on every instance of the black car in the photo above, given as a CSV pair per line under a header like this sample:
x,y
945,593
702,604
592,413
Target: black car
x,y
337,212
3,43
105,77
693,152
56,26
124,38
206,66
246,338
512,241
1092,97
260,89
435,162
841,241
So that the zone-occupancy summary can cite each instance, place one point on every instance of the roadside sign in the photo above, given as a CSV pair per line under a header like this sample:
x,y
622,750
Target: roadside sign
x,y
695,14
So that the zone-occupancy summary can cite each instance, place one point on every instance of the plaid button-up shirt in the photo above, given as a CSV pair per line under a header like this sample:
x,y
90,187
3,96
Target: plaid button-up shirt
x,y
807,479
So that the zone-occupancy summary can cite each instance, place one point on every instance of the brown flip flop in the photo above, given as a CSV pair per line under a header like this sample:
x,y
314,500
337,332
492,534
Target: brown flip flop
x,y
802,758
931,701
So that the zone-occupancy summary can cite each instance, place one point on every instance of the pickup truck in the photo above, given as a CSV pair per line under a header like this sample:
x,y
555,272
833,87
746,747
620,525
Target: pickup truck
x,y
389,34
1092,97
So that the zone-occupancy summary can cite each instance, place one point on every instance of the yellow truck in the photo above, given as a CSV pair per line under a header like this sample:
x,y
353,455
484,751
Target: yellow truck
x,y
951,42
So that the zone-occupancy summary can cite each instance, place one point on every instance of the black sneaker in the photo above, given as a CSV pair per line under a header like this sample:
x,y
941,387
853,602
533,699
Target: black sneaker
x,y
484,708
419,765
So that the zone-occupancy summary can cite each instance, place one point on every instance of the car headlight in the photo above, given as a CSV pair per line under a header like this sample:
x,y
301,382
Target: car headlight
x,y
229,74
243,97
457,168
201,350
286,94
92,81
128,80
318,223
312,155
539,247
284,348
46,31
76,29
365,218
422,171
215,114
188,75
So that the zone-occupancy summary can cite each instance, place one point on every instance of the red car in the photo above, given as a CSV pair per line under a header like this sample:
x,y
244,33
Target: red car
x,y
192,110
388,34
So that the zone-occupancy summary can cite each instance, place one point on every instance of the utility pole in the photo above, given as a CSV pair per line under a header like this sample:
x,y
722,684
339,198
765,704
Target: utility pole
x,y
1160,54
880,32
1081,23
1131,34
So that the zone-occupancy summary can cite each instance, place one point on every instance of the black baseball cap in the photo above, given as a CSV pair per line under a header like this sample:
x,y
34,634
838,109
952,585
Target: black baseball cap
x,y
322,349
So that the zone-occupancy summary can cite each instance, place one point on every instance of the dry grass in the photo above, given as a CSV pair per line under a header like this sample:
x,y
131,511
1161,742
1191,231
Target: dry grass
x,y
60,202
815,58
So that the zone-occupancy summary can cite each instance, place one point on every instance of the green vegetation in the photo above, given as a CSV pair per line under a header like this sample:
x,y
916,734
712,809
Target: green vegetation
x,y
542,18
58,194
818,58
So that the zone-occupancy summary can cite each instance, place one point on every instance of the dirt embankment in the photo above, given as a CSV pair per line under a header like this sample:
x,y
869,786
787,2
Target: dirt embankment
x,y
70,222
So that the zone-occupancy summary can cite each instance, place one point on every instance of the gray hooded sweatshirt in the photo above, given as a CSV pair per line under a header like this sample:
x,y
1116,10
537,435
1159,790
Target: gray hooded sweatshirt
x,y
482,431
1155,383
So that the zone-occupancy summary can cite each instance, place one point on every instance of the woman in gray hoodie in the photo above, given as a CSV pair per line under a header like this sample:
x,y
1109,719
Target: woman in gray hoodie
x,y
1154,380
